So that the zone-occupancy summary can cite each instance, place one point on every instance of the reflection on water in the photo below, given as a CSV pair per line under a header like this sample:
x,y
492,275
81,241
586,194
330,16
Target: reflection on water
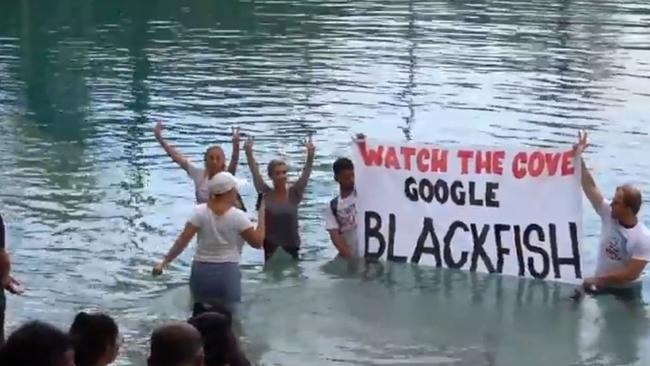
x,y
92,201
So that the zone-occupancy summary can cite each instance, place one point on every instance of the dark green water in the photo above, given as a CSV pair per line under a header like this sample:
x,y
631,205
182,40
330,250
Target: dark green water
x,y
92,201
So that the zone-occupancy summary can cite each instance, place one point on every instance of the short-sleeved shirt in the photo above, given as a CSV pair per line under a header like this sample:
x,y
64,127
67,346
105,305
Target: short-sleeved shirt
x,y
619,244
345,220
219,236
200,179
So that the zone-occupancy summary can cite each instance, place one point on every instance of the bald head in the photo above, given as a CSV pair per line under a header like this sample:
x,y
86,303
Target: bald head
x,y
632,197
176,344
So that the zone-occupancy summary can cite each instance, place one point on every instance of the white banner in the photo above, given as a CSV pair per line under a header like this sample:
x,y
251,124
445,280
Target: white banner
x,y
514,211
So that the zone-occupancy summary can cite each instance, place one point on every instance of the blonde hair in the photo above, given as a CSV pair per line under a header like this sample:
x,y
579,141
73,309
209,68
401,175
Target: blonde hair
x,y
209,149
272,164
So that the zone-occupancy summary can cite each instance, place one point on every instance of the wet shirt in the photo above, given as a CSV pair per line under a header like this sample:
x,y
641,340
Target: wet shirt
x,y
619,244
344,221
282,229
200,179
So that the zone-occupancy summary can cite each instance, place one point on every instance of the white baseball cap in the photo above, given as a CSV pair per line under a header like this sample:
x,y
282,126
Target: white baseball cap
x,y
221,183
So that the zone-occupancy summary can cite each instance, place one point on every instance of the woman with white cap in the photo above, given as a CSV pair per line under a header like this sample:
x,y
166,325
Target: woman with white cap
x,y
222,230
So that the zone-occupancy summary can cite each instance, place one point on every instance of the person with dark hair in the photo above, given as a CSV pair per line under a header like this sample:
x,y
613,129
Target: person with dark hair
x,y
37,344
341,213
281,200
214,161
625,240
95,339
7,282
220,346
211,306
176,344
222,230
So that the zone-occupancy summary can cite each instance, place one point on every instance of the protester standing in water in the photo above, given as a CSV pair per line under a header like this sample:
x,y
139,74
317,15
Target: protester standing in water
x,y
214,161
625,241
341,213
222,229
7,282
282,200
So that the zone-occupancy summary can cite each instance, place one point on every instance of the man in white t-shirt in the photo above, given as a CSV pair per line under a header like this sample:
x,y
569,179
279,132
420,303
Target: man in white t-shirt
x,y
625,241
341,213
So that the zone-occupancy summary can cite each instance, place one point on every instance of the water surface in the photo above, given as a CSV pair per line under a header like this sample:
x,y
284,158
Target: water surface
x,y
92,202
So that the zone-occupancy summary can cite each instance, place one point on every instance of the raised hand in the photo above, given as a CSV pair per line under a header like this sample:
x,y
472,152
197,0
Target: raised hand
x,y
582,143
157,130
309,144
235,135
248,145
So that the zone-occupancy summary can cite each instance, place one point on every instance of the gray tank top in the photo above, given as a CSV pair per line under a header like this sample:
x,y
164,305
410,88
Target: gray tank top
x,y
282,228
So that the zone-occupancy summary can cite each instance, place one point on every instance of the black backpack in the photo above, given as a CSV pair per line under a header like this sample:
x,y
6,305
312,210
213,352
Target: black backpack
x,y
334,205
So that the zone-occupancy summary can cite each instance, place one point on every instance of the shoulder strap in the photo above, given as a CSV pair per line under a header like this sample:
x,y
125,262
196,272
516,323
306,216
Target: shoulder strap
x,y
334,204
240,203
258,203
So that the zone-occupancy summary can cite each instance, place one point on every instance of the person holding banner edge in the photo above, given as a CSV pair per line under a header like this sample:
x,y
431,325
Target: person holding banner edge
x,y
340,213
624,249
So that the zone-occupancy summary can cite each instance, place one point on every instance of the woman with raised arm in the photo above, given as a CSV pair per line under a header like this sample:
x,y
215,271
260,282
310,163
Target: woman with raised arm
x,y
281,200
222,230
214,161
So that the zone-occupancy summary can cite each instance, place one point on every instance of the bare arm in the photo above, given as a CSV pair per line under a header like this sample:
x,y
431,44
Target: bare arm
x,y
234,157
255,237
260,186
629,273
179,245
339,242
590,188
301,184
176,156
587,181
5,263
6,280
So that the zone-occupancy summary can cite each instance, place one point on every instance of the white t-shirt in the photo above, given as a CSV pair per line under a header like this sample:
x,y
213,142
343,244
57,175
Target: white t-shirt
x,y
219,237
346,212
200,180
619,244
